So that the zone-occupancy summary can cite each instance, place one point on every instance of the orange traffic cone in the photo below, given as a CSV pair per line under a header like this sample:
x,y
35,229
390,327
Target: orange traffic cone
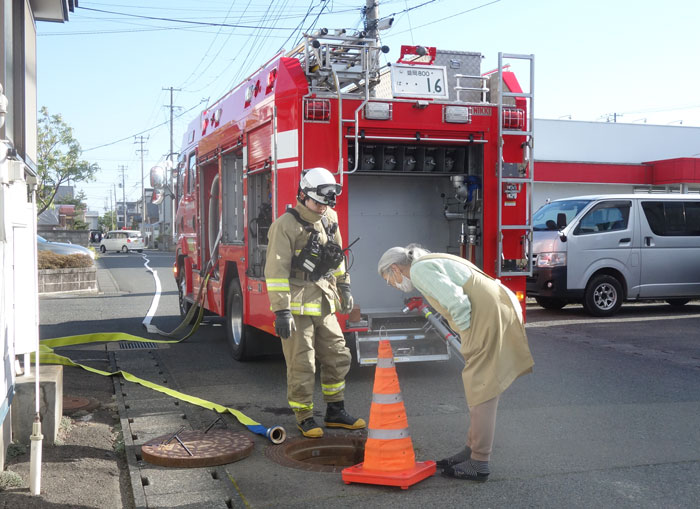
x,y
389,456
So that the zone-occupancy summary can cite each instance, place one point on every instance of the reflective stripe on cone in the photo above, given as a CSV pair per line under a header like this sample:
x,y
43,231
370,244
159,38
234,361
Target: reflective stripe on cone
x,y
389,456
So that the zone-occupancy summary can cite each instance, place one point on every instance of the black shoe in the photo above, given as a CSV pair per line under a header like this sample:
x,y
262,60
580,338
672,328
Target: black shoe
x,y
309,428
457,473
337,417
461,456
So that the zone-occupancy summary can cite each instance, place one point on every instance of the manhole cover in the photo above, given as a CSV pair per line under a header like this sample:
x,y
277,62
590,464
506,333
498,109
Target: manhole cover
x,y
72,404
331,454
197,449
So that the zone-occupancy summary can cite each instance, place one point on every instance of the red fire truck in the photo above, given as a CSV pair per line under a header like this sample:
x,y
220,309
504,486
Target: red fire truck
x,y
428,149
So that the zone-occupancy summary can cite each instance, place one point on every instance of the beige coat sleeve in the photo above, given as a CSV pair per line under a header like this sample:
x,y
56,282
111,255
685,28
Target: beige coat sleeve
x,y
280,250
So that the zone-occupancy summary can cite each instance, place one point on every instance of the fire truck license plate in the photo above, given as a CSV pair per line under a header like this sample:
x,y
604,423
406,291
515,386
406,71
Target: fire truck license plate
x,y
429,81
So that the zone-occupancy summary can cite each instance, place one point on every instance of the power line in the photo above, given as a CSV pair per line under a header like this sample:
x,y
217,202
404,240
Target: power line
x,y
448,17
186,21
145,130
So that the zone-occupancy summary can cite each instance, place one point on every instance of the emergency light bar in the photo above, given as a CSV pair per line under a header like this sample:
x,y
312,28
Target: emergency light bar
x,y
513,118
317,110
378,111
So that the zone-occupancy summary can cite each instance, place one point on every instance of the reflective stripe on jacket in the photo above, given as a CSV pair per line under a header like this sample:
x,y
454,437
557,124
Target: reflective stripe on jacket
x,y
285,288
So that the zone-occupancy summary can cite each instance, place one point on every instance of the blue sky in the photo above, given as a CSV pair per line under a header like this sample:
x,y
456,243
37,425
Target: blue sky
x,y
105,72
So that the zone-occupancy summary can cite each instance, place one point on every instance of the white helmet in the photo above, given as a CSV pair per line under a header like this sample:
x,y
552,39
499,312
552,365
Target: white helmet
x,y
319,184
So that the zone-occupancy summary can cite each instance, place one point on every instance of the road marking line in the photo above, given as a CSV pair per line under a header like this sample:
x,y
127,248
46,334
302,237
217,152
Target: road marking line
x,y
156,299
535,325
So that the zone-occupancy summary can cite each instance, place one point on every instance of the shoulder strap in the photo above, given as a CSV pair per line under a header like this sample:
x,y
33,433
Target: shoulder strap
x,y
297,216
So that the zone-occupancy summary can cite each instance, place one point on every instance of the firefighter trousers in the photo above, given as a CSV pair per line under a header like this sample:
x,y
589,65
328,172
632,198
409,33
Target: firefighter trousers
x,y
316,337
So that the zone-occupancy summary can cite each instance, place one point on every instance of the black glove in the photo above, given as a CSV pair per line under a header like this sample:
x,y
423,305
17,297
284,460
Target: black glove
x,y
346,301
284,323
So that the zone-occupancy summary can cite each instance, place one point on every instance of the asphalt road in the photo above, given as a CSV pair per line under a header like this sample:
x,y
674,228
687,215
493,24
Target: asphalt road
x,y
610,416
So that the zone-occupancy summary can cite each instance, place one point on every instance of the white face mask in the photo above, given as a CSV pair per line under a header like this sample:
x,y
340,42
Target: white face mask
x,y
405,285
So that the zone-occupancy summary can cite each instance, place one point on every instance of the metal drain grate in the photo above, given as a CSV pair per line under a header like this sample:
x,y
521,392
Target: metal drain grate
x,y
137,345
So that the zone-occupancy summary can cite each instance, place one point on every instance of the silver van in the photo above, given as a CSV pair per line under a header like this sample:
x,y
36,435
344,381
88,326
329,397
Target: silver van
x,y
603,250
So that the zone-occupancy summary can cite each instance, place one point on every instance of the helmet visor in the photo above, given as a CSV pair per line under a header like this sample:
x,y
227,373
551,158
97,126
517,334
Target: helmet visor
x,y
328,190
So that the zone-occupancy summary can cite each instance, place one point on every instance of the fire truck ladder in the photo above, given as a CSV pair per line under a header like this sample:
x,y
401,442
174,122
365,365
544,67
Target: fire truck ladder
x,y
513,178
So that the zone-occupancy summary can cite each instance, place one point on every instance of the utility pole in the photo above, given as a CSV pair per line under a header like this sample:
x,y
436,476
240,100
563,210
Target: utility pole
x,y
122,169
114,210
141,140
170,178
371,17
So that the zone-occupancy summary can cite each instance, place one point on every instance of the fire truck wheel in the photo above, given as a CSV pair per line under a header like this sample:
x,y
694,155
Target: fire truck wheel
x,y
185,305
603,296
550,302
237,333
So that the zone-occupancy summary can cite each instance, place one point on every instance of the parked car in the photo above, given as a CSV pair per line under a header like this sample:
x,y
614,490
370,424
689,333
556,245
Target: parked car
x,y
63,248
603,250
95,236
122,240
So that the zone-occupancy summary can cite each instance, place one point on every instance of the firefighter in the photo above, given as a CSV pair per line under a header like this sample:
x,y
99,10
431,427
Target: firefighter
x,y
306,283
489,320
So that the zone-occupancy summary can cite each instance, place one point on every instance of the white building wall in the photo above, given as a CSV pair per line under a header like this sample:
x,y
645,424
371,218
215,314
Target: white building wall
x,y
603,142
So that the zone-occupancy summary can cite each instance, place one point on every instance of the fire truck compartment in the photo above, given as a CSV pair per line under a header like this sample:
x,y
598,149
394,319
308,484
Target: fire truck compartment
x,y
387,211
397,210
412,340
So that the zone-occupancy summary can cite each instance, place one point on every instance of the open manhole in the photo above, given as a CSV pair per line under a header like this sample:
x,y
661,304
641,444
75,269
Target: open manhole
x,y
329,454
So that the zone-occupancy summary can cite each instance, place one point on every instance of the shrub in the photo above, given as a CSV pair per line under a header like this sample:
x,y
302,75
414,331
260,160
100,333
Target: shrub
x,y
51,260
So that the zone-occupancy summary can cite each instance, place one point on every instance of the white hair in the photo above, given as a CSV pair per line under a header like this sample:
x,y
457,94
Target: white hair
x,y
402,256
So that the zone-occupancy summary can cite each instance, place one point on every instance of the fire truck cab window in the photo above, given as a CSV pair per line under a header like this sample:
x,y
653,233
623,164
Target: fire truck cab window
x,y
191,165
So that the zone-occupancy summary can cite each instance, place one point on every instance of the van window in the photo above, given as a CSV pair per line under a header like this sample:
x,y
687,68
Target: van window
x,y
605,217
546,216
673,218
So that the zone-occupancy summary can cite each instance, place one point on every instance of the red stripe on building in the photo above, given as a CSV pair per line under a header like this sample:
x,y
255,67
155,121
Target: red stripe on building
x,y
683,170
550,171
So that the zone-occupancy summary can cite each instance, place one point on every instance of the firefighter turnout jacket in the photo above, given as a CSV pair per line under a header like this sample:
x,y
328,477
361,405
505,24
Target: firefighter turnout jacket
x,y
289,287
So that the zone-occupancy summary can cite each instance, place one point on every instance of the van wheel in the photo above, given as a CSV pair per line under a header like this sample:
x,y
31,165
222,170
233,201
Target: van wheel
x,y
238,334
678,302
125,249
603,296
551,302
103,249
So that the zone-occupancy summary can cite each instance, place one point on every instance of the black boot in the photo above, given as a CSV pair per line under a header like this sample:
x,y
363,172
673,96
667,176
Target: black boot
x,y
309,428
337,417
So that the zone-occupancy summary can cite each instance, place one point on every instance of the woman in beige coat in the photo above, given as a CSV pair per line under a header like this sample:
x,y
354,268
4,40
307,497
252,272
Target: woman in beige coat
x,y
488,318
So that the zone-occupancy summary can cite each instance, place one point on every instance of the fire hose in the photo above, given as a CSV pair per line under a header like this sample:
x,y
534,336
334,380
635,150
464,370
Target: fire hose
x,y
276,434
434,319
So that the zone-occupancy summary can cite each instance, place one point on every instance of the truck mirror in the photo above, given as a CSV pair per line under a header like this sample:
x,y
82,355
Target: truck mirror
x,y
157,177
157,196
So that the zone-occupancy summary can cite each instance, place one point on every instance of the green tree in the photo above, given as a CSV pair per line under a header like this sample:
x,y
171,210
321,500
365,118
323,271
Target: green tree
x,y
108,221
59,161
78,200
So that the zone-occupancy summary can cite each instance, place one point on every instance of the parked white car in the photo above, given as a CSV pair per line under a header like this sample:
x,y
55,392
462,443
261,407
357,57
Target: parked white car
x,y
122,240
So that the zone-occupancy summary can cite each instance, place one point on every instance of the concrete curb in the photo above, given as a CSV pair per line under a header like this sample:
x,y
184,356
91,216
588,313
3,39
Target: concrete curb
x,y
106,284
